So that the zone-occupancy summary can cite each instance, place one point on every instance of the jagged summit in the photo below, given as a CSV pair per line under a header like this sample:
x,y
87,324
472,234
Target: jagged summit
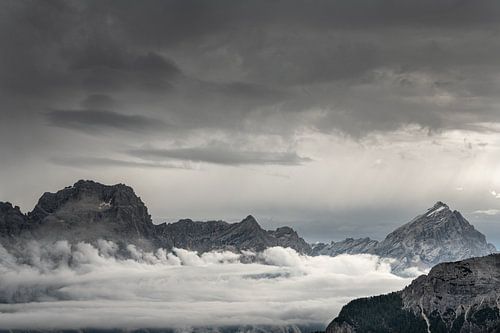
x,y
438,235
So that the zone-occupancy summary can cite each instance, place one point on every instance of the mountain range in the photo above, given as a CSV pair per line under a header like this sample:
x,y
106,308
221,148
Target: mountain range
x,y
88,211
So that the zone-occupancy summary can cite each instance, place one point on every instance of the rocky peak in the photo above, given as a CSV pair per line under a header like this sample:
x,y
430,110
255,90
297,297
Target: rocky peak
x,y
438,235
250,222
112,209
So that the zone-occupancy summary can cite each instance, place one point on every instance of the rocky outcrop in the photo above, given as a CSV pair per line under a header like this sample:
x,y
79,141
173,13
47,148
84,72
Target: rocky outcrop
x,y
88,211
461,296
347,246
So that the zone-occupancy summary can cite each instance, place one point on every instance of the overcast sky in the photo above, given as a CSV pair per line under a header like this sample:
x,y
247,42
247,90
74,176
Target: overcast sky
x,y
339,118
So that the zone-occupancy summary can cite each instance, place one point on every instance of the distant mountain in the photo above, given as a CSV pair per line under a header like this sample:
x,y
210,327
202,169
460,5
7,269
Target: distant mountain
x,y
347,246
88,211
460,296
438,235
211,235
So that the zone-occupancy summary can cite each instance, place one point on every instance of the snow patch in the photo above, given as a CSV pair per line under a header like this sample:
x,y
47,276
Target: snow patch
x,y
432,212
105,205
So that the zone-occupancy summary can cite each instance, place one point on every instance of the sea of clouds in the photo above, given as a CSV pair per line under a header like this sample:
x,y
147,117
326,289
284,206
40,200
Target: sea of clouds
x,y
59,285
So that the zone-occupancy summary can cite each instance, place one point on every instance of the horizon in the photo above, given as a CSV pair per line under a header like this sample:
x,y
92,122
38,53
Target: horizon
x,y
270,223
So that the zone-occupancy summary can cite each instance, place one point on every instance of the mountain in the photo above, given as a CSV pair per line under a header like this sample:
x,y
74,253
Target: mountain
x,y
245,235
348,246
436,236
457,297
89,210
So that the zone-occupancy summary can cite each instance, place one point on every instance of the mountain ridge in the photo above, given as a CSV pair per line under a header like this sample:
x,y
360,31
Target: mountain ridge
x,y
89,210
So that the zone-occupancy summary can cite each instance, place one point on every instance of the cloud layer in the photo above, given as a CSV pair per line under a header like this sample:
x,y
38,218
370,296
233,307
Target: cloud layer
x,y
90,286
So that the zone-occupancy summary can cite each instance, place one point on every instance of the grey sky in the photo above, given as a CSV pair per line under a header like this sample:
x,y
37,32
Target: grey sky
x,y
340,118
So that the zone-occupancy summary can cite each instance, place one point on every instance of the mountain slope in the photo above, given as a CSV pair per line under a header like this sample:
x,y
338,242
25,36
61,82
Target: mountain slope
x,y
460,296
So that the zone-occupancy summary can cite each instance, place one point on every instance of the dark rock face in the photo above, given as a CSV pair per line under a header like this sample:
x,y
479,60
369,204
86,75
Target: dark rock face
x,y
12,221
460,296
88,211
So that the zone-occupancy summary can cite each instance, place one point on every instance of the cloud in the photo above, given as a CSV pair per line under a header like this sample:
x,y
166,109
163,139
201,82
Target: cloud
x,y
489,212
97,162
207,64
495,194
100,120
82,285
221,154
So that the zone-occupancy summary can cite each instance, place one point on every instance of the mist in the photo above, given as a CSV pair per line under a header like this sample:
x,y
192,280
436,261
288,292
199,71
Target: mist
x,y
60,285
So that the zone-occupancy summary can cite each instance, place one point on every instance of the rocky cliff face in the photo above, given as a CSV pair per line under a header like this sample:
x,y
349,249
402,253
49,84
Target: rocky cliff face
x,y
88,211
461,296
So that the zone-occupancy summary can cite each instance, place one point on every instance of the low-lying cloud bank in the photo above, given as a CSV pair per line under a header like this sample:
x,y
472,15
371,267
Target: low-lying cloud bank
x,y
59,285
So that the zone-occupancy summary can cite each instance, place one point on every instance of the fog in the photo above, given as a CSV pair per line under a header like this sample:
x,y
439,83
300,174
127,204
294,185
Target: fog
x,y
59,285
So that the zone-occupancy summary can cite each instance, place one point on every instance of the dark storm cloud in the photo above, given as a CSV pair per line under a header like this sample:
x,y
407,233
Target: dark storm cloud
x,y
100,120
229,64
220,154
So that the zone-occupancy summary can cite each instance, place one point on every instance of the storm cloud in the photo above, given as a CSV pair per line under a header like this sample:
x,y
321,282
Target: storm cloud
x,y
326,115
